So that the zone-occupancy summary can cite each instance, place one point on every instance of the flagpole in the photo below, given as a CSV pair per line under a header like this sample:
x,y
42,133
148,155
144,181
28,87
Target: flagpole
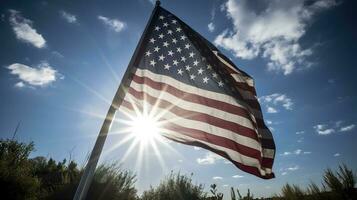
x,y
89,170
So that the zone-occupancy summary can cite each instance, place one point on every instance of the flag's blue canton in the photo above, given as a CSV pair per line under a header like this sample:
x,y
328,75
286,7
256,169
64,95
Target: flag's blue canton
x,y
169,52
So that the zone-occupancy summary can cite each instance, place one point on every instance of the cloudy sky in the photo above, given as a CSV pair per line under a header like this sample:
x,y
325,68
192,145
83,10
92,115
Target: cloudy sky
x,y
61,63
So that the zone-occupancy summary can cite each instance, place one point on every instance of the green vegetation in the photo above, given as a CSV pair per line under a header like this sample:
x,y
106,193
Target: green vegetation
x,y
336,185
27,178
175,187
41,178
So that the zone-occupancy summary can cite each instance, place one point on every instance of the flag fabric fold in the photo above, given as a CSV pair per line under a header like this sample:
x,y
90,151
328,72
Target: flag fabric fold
x,y
202,97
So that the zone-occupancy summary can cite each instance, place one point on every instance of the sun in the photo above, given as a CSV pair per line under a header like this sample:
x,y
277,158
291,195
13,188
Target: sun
x,y
145,129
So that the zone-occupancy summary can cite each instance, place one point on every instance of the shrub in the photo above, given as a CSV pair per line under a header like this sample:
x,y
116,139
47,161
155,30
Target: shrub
x,y
109,182
175,187
16,178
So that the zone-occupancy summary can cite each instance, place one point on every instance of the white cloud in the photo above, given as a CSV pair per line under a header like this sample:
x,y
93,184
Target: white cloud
x,y
209,159
225,185
114,24
272,32
336,154
271,110
296,152
269,122
197,148
24,31
20,84
347,128
217,178
41,75
300,140
70,18
211,27
332,127
227,162
284,173
276,99
323,129
213,13
293,168
338,123
237,176
57,54
286,153
300,132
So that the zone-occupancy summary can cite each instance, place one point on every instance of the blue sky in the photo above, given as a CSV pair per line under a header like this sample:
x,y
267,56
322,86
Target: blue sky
x,y
61,63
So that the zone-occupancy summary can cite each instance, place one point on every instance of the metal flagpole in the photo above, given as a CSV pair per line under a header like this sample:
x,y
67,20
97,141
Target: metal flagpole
x,y
88,174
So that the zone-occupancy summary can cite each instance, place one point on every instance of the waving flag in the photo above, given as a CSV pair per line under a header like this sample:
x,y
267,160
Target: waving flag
x,y
204,99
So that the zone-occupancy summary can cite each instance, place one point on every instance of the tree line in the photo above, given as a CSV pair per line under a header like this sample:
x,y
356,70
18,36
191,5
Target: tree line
x,y
22,177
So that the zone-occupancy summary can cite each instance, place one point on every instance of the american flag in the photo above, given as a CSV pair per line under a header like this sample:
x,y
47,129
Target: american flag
x,y
204,98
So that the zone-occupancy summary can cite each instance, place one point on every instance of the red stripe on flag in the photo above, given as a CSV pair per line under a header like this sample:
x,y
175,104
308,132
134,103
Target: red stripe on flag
x,y
194,97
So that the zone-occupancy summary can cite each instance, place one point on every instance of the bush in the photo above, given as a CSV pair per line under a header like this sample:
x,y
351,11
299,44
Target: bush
x,y
337,184
16,178
109,182
341,183
175,187
293,192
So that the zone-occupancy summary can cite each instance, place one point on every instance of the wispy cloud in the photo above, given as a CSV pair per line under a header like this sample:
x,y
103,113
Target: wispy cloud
x,y
336,154
213,13
57,54
209,159
217,178
294,168
300,132
326,129
291,169
347,128
286,153
24,31
114,24
296,152
20,84
323,129
271,110
276,99
70,18
300,140
273,32
237,176
197,148
211,27
41,75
